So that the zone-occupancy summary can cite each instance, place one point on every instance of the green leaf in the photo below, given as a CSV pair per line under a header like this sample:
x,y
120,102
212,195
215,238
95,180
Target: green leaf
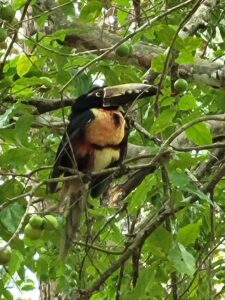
x,y
164,121
91,11
200,134
160,242
17,157
145,278
185,57
21,92
98,211
138,197
167,101
158,63
24,64
165,33
189,233
182,260
187,102
28,285
5,83
67,9
9,189
123,2
22,128
122,17
185,160
15,262
82,83
42,266
18,3
97,296
179,179
187,49
63,77
5,294
10,216
34,80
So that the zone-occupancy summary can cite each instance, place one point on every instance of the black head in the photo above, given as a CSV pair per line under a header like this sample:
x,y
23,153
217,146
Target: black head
x,y
94,98
113,96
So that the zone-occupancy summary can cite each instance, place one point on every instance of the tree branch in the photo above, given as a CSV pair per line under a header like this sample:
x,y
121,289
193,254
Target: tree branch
x,y
147,227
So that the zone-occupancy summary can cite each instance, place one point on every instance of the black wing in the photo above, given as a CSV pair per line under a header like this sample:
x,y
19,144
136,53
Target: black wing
x,y
63,156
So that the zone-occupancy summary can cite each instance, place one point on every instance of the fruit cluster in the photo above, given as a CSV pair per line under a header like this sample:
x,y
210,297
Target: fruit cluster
x,y
37,225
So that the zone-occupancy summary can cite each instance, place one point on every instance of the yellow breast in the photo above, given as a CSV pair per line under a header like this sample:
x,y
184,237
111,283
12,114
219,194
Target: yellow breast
x,y
104,157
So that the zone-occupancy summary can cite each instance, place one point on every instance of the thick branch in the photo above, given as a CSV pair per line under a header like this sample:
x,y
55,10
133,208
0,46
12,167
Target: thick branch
x,y
92,37
200,18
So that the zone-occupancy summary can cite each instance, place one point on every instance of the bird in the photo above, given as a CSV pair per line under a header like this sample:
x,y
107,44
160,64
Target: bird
x,y
95,139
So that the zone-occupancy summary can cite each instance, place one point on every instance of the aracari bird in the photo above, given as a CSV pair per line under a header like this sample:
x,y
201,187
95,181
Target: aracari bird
x,y
95,139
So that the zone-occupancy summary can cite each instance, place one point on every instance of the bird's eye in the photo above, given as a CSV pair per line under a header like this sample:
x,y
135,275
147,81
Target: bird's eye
x,y
98,94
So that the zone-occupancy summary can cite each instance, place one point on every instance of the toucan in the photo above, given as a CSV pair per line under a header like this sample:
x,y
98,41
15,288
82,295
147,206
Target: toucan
x,y
95,139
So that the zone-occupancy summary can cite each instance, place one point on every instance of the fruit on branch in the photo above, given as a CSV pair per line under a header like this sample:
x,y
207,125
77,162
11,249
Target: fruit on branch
x,y
50,222
180,85
32,233
124,50
36,221
5,254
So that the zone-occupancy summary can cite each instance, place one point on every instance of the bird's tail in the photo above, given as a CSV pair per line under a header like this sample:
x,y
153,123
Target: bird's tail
x,y
75,201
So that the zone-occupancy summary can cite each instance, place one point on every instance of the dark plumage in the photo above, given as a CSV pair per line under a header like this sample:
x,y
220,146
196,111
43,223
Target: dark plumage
x,y
95,139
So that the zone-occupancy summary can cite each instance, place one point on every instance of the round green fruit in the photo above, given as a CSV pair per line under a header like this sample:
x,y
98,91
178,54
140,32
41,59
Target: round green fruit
x,y
32,233
124,50
180,85
5,254
50,222
36,221
3,35
7,13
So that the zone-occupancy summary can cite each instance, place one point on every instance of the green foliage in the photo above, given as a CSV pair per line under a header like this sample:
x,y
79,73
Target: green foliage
x,y
164,121
91,11
43,66
182,260
200,134
187,102
189,233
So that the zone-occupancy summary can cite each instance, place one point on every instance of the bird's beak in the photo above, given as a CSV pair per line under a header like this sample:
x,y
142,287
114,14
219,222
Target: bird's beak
x,y
126,93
